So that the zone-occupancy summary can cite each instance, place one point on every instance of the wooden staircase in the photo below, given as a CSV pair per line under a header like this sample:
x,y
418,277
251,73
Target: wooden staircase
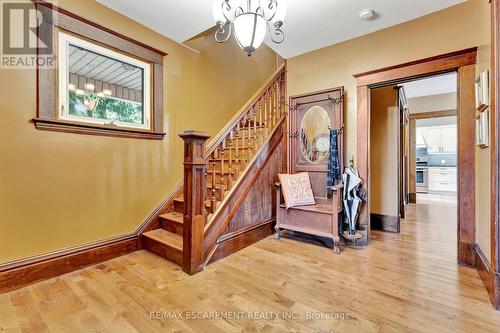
x,y
211,174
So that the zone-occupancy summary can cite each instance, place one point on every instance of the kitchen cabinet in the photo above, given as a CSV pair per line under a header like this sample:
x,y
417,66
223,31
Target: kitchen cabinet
x,y
449,139
442,179
438,139
434,139
420,137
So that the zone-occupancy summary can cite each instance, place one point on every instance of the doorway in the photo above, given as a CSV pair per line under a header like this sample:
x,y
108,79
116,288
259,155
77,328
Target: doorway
x,y
413,145
463,63
432,126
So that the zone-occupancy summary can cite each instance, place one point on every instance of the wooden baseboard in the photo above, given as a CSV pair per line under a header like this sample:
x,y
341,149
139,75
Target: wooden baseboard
x,y
466,254
412,198
384,222
483,269
490,278
235,241
19,273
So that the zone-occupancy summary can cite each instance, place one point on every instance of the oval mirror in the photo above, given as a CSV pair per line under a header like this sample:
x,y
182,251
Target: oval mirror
x,y
315,135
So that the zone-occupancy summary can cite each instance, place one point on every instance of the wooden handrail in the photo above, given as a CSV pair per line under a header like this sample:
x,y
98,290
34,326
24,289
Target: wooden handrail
x,y
238,117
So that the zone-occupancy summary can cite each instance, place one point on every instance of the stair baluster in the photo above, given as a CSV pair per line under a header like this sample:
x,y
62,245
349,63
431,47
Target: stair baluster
x,y
283,95
238,157
221,179
230,161
274,105
266,111
278,100
213,199
248,129
261,129
271,110
254,117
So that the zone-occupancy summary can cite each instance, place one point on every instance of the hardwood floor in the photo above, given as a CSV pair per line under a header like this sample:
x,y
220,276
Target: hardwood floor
x,y
406,282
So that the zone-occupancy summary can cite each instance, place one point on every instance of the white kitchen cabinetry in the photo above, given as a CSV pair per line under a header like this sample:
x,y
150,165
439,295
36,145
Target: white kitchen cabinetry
x,y
449,139
421,136
434,139
442,179
438,139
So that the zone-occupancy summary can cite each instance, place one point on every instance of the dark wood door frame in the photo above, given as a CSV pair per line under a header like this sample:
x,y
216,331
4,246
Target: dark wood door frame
x,y
463,62
491,273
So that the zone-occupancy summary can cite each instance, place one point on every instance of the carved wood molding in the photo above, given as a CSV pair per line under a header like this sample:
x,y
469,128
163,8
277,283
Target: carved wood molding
x,y
464,63
418,68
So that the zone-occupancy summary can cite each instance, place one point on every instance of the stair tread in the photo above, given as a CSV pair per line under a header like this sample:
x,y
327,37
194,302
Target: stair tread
x,y
173,216
165,237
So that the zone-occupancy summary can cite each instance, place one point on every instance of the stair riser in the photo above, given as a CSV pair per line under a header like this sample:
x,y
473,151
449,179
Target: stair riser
x,y
163,250
171,226
179,207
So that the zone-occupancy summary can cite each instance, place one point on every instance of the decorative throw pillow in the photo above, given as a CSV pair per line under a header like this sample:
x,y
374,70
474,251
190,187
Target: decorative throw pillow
x,y
297,189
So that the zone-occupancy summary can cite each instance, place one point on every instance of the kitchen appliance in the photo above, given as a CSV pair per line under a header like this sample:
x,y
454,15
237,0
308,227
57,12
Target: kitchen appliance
x,y
422,177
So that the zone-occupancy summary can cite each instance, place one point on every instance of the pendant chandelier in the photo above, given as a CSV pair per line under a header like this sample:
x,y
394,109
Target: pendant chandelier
x,y
250,19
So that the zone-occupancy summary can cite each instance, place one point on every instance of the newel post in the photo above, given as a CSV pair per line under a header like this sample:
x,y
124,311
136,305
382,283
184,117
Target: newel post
x,y
194,201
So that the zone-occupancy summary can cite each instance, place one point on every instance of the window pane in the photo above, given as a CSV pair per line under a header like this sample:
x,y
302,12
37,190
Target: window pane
x,y
104,89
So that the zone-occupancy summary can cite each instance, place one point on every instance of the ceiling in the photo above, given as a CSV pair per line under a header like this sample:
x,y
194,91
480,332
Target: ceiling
x,y
309,25
435,85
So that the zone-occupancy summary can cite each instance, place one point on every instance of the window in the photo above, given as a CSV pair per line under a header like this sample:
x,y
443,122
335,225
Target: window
x,y
103,83
101,86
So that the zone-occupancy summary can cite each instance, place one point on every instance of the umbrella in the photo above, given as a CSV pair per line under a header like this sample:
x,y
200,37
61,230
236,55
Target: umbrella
x,y
352,199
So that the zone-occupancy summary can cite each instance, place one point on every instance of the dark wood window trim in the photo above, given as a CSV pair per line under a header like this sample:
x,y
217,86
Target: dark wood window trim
x,y
47,85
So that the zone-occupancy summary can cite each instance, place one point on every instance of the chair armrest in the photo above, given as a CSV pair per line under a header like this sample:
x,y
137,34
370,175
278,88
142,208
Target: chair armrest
x,y
277,187
337,197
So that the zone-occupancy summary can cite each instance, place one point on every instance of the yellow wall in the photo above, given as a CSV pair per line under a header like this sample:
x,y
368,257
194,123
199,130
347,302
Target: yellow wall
x,y
384,151
441,102
456,28
59,190
445,31
483,183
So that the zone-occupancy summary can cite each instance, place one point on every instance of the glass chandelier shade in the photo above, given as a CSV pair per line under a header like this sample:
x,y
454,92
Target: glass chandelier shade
x,y
251,20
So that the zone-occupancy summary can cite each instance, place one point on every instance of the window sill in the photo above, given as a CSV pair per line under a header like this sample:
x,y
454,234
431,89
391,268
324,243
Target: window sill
x,y
94,129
